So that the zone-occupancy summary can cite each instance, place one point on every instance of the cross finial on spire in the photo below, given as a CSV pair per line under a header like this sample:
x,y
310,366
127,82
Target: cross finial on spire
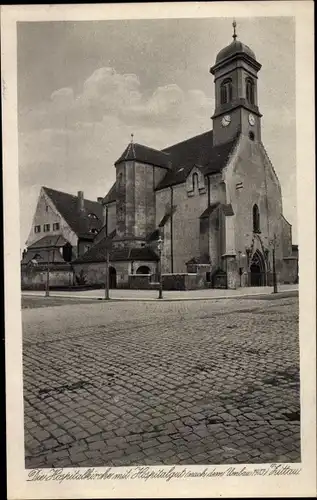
x,y
234,25
132,135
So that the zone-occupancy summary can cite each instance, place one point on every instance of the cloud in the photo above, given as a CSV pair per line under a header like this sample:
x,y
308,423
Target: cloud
x,y
71,141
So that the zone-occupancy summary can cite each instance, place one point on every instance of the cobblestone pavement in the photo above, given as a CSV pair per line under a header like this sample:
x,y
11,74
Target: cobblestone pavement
x,y
162,383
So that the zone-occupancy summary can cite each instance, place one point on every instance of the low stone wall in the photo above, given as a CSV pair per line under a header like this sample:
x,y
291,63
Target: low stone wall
x,y
90,273
142,282
289,272
35,278
184,282
169,282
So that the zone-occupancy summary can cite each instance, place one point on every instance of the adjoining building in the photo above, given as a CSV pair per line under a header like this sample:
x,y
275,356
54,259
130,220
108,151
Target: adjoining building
x,y
214,201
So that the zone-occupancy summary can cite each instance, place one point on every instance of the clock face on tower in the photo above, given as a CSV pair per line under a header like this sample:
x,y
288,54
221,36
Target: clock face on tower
x,y
226,120
251,119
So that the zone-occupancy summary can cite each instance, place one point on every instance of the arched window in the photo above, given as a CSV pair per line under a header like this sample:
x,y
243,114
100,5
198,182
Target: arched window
x,y
226,91
195,181
256,219
249,83
143,270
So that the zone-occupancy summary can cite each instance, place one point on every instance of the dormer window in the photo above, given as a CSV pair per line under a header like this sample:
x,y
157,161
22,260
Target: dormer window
x,y
250,91
226,91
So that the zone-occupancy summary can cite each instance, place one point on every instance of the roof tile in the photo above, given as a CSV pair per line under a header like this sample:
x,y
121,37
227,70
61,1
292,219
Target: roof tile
x,y
79,222
144,154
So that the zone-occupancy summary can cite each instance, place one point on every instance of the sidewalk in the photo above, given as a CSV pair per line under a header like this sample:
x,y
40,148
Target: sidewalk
x,y
151,295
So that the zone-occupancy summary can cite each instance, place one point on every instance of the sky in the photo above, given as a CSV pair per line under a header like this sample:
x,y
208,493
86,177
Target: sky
x,y
84,87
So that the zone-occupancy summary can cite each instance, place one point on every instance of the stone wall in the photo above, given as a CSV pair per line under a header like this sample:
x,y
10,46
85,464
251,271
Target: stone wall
x,y
144,200
289,273
183,281
286,238
111,217
163,204
250,168
35,278
142,282
95,273
186,224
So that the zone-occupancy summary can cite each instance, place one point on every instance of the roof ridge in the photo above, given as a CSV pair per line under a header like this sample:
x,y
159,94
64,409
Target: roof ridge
x,y
187,140
68,194
152,149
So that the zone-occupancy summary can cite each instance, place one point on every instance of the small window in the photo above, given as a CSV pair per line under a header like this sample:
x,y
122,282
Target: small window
x,y
250,91
256,219
251,136
93,230
46,208
56,226
47,228
226,91
195,181
92,216
37,229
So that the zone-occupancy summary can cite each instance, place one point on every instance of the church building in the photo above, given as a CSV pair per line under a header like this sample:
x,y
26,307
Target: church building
x,y
209,207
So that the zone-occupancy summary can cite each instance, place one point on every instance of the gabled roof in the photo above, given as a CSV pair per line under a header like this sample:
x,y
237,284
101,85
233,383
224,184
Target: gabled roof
x,y
97,253
78,221
42,256
144,154
198,151
56,241
182,157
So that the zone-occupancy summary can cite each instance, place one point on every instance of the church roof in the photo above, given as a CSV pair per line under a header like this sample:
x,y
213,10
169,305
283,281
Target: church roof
x,y
144,154
79,221
234,48
198,150
97,253
111,196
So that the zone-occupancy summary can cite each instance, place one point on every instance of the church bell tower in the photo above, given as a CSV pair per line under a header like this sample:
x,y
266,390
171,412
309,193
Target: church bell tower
x,y
236,94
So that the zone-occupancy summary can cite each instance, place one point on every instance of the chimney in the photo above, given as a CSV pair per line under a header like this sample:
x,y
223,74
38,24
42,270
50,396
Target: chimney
x,y
99,199
81,206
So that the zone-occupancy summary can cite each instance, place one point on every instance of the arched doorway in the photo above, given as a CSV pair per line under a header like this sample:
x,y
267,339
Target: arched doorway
x,y
257,270
143,270
112,277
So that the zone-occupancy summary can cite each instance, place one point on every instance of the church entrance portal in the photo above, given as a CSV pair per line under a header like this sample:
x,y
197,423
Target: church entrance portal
x,y
112,277
257,270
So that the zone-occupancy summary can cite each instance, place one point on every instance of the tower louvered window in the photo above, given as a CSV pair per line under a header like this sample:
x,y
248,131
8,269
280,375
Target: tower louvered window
x,y
250,91
226,91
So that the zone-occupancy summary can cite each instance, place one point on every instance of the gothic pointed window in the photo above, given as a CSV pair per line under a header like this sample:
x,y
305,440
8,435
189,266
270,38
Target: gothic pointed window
x,y
256,219
226,91
250,91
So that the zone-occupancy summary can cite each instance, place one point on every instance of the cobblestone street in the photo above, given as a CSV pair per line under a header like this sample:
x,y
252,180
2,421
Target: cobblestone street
x,y
192,382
